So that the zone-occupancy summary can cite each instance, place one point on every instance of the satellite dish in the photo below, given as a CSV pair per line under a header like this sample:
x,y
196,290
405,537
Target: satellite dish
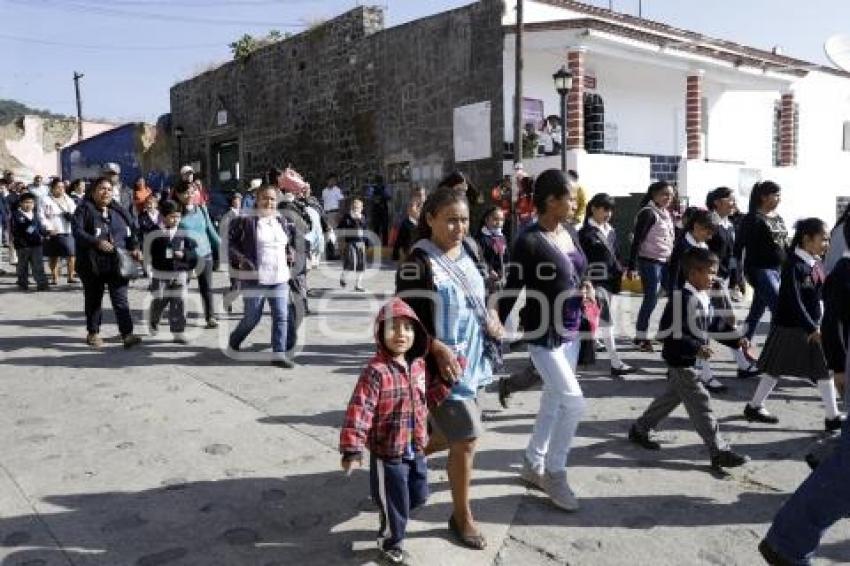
x,y
837,49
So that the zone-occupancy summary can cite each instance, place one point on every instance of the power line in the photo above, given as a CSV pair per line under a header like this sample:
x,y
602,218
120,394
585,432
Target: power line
x,y
104,46
114,12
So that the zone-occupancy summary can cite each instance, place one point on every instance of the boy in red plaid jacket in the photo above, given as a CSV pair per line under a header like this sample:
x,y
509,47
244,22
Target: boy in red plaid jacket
x,y
387,414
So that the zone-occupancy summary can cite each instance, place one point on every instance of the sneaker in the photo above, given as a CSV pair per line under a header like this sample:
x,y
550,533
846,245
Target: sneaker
x,y
751,371
642,439
531,476
131,340
728,459
283,363
94,340
559,491
759,415
180,338
342,282
212,322
359,289
394,556
504,394
832,425
645,346
715,386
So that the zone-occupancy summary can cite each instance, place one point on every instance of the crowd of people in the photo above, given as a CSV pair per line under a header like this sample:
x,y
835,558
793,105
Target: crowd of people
x,y
440,341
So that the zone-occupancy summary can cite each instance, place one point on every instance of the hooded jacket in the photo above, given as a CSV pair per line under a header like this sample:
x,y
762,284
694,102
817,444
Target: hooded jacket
x,y
389,396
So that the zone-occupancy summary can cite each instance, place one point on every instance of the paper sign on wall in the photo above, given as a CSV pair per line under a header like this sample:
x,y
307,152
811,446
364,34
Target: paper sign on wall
x,y
472,139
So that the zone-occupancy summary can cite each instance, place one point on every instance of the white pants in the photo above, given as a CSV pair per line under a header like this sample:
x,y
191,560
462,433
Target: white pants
x,y
561,406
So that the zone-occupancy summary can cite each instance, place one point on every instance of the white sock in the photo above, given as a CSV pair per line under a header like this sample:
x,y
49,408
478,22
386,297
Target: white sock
x,y
358,281
741,359
704,368
829,396
765,386
611,346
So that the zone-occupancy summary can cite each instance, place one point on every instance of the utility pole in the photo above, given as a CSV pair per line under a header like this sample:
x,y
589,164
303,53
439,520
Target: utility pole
x,y
77,77
518,64
640,8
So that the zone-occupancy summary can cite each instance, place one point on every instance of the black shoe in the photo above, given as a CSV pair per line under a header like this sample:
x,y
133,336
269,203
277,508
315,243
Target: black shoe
x,y
284,363
504,394
751,371
621,371
728,459
394,556
772,557
759,415
715,386
832,425
642,439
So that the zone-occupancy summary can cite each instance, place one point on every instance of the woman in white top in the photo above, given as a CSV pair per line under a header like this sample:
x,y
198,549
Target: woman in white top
x,y
57,212
259,258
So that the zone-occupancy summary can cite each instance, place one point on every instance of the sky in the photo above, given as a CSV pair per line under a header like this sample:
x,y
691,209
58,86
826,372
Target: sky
x,y
132,51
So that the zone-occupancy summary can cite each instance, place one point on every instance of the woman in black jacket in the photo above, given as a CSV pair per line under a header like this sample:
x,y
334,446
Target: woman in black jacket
x,y
760,249
101,226
605,269
549,264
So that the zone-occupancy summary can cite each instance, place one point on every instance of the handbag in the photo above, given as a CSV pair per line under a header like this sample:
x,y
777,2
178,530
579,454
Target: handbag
x,y
128,267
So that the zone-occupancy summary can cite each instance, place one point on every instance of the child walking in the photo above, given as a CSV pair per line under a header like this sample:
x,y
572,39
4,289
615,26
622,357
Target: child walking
x,y
352,229
494,248
604,269
794,346
28,235
387,414
836,313
172,256
687,323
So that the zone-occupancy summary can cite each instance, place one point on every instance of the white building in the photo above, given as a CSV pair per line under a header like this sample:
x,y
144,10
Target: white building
x,y
652,101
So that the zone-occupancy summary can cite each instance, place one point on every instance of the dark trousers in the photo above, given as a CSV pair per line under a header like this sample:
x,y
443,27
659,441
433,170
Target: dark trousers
x,y
821,501
168,293
398,487
205,285
93,288
31,258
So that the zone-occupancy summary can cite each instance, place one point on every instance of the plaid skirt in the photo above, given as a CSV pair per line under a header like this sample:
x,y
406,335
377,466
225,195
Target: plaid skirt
x,y
788,352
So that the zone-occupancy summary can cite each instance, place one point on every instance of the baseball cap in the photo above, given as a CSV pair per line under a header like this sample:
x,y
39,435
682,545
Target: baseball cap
x,y
111,169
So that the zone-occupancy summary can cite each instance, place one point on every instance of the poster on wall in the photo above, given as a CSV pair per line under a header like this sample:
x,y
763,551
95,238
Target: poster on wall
x,y
472,136
532,112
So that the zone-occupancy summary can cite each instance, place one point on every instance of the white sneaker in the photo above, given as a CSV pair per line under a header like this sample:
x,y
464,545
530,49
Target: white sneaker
x,y
530,475
559,491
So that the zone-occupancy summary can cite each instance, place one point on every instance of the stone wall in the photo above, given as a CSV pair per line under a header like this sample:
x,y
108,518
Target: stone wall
x,y
349,97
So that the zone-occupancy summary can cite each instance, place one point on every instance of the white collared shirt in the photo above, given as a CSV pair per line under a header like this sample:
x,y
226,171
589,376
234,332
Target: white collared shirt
x,y
604,228
724,221
806,256
272,268
702,297
690,239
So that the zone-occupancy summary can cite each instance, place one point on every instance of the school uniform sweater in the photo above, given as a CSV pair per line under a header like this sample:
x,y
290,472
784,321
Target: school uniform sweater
x,y
799,304
723,244
27,232
604,266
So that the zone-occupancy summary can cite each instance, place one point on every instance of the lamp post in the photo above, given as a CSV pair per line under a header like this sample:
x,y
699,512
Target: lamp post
x,y
58,147
178,133
563,82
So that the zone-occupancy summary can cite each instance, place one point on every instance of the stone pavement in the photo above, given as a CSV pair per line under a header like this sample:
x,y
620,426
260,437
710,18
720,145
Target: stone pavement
x,y
171,454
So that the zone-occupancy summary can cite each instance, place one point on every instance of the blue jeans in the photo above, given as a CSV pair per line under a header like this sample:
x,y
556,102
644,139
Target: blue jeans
x,y
818,503
254,298
652,276
765,284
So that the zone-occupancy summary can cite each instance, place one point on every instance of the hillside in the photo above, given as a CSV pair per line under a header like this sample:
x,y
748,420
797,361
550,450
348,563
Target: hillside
x,y
12,109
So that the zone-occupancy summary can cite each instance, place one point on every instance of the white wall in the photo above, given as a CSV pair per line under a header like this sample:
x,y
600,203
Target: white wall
x,y
740,124
534,12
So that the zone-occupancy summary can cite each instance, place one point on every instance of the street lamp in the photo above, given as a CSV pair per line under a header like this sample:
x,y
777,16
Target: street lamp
x,y
563,82
178,133
58,147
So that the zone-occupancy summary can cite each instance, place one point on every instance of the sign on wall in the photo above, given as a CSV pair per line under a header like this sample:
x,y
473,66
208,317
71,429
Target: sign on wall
x,y
532,112
472,136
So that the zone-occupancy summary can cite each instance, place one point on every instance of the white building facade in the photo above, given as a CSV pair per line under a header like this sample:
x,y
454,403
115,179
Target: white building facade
x,y
650,101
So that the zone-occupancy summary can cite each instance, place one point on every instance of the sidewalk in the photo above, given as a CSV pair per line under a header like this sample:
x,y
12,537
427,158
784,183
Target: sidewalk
x,y
171,454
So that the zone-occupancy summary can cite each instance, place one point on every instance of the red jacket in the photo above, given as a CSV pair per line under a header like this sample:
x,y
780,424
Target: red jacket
x,y
388,396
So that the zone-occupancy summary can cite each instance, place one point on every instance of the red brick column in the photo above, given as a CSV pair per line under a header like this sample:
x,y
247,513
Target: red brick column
x,y
575,100
694,115
787,143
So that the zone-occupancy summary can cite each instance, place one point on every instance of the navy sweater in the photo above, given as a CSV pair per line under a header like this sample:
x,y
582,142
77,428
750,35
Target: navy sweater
x,y
686,327
27,233
800,294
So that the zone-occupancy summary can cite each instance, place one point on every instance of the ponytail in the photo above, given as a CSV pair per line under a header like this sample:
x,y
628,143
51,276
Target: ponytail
x,y
807,227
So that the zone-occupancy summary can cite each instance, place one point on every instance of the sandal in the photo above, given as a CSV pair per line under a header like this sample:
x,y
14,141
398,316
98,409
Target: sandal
x,y
475,542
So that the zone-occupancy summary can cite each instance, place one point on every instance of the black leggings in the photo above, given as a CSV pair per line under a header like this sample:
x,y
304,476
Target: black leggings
x,y
205,285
